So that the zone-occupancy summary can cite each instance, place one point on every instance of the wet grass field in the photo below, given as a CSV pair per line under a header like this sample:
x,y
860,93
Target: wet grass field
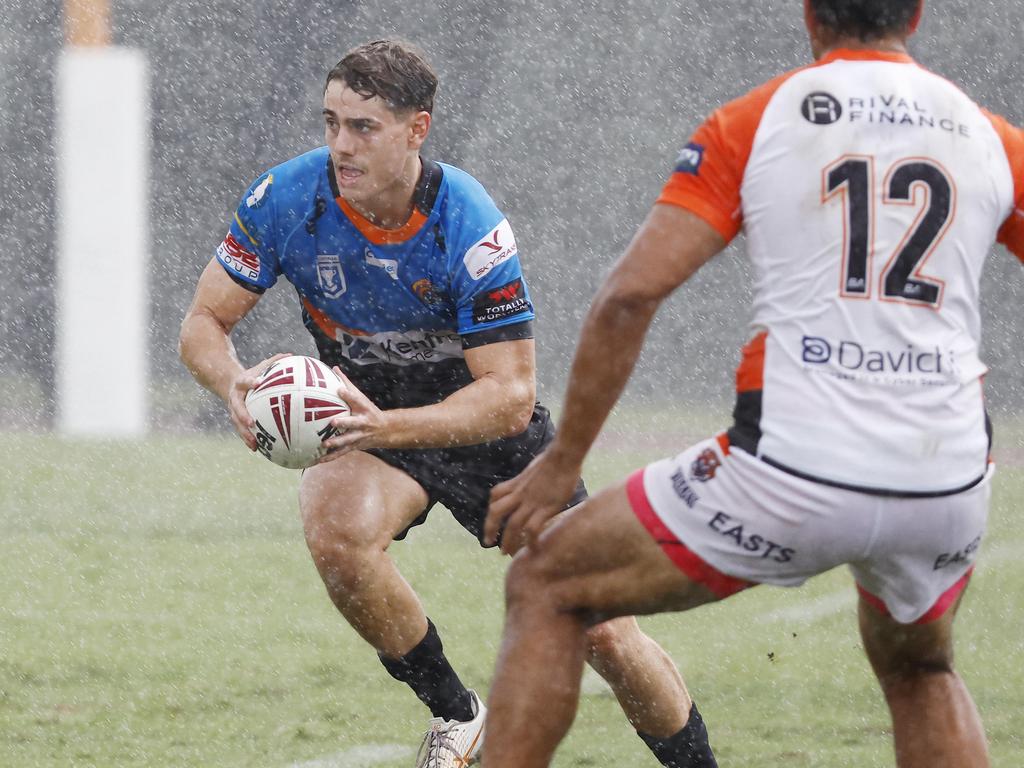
x,y
158,608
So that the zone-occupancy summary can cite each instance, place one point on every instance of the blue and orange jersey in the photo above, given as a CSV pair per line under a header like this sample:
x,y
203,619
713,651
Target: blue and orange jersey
x,y
395,308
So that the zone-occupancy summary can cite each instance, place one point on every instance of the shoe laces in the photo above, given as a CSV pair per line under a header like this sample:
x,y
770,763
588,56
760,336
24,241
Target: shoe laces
x,y
435,742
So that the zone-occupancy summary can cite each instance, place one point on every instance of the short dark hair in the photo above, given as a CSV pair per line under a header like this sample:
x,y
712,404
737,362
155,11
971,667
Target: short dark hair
x,y
394,70
865,19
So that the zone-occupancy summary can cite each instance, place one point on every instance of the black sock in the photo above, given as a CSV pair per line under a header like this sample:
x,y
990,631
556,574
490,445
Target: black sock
x,y
687,749
432,679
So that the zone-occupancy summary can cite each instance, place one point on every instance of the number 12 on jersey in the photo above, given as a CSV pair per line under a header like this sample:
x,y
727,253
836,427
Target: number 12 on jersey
x,y
852,177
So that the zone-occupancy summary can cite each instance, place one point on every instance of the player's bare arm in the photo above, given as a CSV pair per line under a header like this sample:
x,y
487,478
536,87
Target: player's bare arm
x,y
206,349
669,247
497,403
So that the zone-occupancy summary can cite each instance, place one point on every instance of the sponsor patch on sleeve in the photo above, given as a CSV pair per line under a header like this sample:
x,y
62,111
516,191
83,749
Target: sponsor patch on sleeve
x,y
233,255
492,249
499,303
690,158
256,198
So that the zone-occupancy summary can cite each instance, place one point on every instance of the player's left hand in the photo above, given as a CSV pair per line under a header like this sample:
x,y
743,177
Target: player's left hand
x,y
521,507
364,426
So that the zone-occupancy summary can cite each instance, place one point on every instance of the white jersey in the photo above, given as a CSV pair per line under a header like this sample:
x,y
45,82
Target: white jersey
x,y
871,192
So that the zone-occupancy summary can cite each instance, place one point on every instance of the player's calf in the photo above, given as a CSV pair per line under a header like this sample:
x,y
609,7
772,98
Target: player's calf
x,y
651,692
643,677
935,722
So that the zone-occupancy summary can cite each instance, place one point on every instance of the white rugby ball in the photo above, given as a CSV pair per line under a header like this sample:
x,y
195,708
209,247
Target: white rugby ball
x,y
293,404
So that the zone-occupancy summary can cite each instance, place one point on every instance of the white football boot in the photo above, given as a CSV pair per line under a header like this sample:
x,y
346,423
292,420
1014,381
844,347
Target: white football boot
x,y
451,743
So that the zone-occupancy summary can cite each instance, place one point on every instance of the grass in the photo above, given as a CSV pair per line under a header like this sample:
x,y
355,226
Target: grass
x,y
158,608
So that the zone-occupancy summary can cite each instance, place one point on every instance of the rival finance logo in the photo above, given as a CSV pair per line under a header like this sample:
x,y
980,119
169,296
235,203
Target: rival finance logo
x,y
821,108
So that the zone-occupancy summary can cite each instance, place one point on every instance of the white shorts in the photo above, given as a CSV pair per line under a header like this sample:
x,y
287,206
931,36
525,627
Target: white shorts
x,y
729,521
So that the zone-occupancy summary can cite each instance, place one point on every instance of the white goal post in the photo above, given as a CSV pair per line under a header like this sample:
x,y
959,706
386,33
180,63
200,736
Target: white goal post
x,y
102,302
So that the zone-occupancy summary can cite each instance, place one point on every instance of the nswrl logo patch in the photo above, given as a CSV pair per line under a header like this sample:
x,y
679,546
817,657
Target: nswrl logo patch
x,y
690,158
329,275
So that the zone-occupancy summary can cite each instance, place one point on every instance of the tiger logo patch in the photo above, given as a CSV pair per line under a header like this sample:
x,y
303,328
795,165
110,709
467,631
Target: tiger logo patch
x,y
705,465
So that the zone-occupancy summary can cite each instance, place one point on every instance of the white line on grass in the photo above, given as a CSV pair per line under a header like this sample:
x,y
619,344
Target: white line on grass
x,y
810,611
362,756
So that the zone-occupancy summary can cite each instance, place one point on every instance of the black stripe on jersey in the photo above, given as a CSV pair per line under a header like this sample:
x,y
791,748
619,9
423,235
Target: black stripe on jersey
x,y
248,286
870,491
427,187
745,432
514,332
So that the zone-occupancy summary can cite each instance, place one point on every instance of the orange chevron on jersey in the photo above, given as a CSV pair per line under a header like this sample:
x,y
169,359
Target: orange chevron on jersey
x,y
750,373
332,329
379,235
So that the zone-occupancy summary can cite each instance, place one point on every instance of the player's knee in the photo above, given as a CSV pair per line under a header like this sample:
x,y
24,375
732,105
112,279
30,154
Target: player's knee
x,y
610,640
909,662
339,545
519,581
902,669
528,582
340,552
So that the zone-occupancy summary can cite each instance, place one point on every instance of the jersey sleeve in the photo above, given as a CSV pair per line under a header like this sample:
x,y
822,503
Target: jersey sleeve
x,y
491,299
706,180
1011,233
247,251
708,173
488,285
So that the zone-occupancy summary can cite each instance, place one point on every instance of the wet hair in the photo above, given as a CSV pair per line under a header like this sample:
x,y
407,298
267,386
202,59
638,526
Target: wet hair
x,y
394,70
865,19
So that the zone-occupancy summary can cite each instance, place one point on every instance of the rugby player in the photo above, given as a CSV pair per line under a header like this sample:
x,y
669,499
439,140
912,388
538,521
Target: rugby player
x,y
410,283
870,191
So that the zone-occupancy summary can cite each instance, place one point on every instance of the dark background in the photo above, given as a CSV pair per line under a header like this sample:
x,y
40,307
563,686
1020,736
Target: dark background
x,y
570,113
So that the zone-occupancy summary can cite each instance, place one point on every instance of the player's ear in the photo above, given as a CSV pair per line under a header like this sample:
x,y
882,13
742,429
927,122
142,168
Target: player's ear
x,y
916,19
419,127
809,20
813,30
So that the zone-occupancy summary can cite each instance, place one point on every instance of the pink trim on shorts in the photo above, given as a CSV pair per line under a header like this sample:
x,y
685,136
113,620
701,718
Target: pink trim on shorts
x,y
946,599
688,562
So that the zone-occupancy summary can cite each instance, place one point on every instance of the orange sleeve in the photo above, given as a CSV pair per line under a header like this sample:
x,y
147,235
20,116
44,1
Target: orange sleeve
x,y
1011,234
709,170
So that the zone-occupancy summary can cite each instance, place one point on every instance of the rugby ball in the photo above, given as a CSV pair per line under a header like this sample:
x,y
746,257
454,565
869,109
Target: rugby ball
x,y
293,403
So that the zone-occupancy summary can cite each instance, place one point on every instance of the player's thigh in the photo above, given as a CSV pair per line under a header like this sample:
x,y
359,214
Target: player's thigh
x,y
359,500
896,649
599,559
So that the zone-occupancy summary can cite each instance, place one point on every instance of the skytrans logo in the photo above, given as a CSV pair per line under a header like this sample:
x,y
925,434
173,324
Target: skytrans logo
x,y
854,357
489,251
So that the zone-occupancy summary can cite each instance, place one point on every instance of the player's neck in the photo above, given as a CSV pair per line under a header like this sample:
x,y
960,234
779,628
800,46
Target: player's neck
x,y
392,207
893,44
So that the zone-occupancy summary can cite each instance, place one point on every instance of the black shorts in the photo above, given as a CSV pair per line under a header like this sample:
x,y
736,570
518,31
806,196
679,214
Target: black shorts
x,y
461,478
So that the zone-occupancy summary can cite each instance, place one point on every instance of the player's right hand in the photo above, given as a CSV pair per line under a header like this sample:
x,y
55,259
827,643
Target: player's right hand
x,y
240,417
521,508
